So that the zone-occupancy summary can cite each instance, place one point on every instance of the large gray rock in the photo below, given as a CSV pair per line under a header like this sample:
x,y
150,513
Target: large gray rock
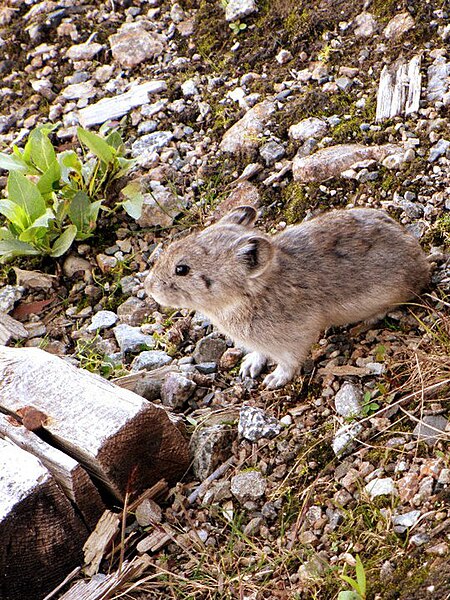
x,y
150,359
331,162
133,44
102,320
9,295
383,486
243,135
145,149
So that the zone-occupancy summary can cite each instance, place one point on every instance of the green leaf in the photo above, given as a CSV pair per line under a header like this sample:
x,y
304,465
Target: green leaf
x,y
351,582
14,213
44,219
42,153
93,212
348,595
63,243
96,144
134,199
25,194
6,234
114,139
34,235
79,211
360,572
69,163
9,162
11,248
49,181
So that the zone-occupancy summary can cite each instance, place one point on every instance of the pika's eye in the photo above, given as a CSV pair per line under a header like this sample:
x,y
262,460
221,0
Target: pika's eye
x,y
182,270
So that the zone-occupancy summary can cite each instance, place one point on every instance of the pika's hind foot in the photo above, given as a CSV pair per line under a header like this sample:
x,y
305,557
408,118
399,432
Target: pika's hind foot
x,y
252,365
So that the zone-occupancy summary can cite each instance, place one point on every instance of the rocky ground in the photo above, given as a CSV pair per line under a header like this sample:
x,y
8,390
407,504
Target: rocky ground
x,y
248,103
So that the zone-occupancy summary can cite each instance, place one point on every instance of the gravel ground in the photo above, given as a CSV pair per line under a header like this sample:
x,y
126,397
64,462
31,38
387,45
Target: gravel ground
x,y
248,103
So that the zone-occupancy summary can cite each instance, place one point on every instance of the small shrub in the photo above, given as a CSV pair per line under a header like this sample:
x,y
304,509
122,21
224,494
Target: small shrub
x,y
55,198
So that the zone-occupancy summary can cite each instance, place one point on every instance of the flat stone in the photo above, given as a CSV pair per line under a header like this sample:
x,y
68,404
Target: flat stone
x,y
243,135
255,424
75,91
426,430
117,106
237,9
403,522
331,162
312,127
150,359
206,368
398,25
248,485
133,44
383,486
102,320
131,339
343,441
176,390
245,193
85,51
209,349
347,401
160,207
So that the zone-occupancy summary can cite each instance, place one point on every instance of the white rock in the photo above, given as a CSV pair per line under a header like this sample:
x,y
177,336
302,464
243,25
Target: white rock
x,y
102,320
243,135
344,437
189,88
398,25
79,90
310,127
283,57
366,25
348,400
85,51
383,486
237,9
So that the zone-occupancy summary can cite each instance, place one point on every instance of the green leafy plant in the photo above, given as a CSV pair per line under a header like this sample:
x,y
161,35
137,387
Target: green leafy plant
x,y
358,585
55,198
369,405
237,27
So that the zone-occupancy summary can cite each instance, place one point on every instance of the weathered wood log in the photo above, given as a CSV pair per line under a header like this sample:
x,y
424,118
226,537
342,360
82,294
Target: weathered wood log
x,y
399,88
68,473
124,441
41,534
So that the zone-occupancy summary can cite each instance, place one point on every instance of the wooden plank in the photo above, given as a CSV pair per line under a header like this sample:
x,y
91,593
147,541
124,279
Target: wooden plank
x,y
399,88
41,535
120,438
68,473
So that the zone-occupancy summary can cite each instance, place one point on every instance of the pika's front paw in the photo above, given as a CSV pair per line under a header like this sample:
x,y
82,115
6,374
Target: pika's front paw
x,y
252,365
279,377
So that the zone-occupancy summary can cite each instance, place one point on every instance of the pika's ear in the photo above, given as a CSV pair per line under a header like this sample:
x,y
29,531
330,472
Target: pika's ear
x,y
256,253
241,215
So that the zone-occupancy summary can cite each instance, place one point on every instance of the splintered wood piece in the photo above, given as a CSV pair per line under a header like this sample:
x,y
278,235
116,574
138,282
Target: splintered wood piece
x,y
99,541
101,587
154,541
10,329
70,475
126,442
399,88
41,535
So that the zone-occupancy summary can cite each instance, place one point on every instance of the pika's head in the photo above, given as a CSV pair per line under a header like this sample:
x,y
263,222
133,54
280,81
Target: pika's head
x,y
213,269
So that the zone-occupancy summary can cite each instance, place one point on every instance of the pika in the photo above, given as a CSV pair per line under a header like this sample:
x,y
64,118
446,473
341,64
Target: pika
x,y
274,295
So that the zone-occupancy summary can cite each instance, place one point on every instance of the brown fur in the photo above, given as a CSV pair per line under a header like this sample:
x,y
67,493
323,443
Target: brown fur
x,y
274,295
